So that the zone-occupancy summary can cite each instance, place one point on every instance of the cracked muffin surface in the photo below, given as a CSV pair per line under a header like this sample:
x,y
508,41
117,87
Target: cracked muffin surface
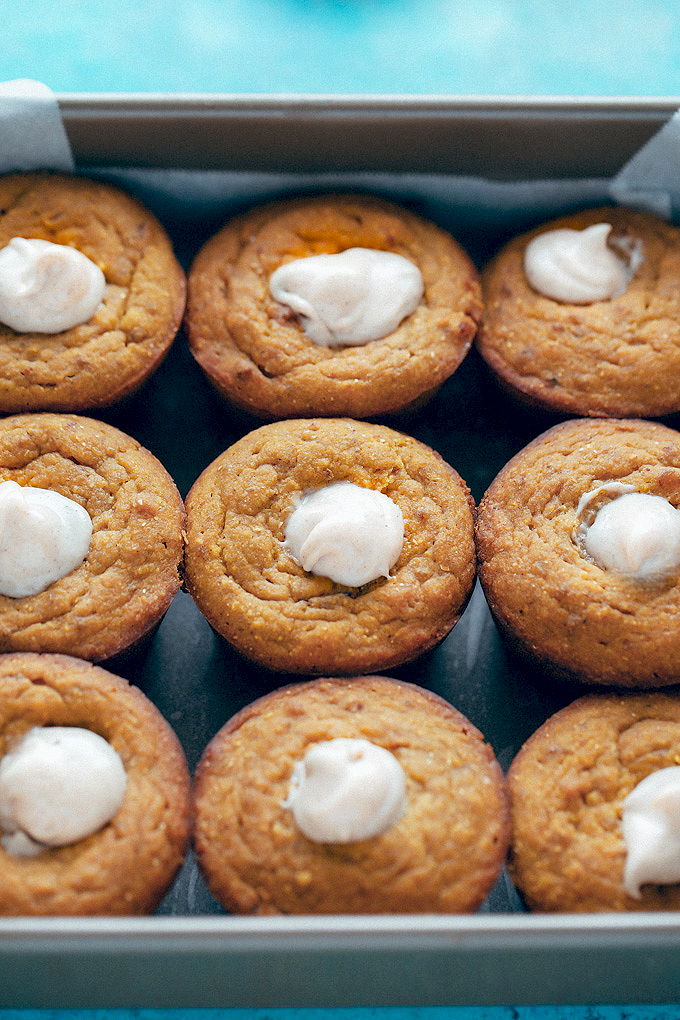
x,y
131,571
127,866
567,786
255,351
110,356
443,854
557,605
258,597
618,357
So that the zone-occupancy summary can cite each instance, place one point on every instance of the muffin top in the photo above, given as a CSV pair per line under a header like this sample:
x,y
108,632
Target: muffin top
x,y
126,866
442,853
244,575
96,362
569,785
253,345
557,595
130,572
578,354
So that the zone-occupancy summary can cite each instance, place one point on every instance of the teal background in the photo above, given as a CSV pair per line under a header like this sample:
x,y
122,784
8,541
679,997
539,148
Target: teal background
x,y
438,46
575,47
430,1013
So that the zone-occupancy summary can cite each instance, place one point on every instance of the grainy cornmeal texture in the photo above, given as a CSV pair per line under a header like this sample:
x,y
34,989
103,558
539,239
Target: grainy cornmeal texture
x,y
559,607
255,351
262,601
101,361
125,867
618,358
443,855
131,572
567,785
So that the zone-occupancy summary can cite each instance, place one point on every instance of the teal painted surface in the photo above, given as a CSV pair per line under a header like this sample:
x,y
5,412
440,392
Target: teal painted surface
x,y
432,1013
422,46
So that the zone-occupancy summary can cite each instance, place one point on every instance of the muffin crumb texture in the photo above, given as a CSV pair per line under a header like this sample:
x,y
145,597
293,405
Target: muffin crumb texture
x,y
443,855
262,601
110,356
555,604
131,572
617,357
567,786
127,866
254,350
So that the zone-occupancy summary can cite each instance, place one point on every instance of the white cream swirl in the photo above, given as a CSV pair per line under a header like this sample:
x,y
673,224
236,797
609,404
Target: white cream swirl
x,y
650,825
58,785
351,298
635,533
43,537
46,287
579,266
345,790
347,533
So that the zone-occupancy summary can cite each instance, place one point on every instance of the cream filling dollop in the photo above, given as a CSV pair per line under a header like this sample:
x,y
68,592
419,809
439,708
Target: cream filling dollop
x,y
43,537
347,533
579,266
58,785
349,299
650,824
346,790
635,533
46,287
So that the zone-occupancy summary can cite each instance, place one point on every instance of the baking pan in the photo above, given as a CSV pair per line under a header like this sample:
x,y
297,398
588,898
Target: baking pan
x,y
484,169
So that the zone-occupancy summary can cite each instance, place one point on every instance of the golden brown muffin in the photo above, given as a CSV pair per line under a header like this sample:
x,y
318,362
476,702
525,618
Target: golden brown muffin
x,y
109,357
131,572
255,351
255,594
443,854
557,605
617,357
567,785
125,867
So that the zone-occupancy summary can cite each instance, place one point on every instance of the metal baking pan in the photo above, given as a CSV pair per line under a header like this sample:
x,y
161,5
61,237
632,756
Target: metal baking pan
x,y
484,169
